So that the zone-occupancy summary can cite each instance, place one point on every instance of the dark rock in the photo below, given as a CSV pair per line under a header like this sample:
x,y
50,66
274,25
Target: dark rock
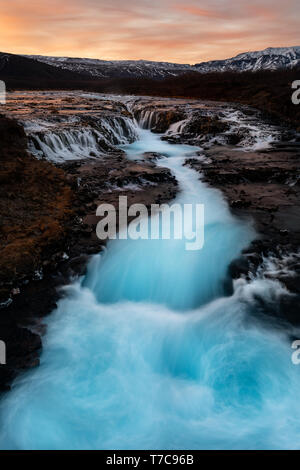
x,y
239,266
201,125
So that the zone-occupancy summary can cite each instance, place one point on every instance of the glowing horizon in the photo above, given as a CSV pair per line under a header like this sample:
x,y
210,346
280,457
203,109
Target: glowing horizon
x,y
165,30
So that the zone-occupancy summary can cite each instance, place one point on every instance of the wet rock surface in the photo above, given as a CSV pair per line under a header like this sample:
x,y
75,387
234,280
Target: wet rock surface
x,y
158,117
203,125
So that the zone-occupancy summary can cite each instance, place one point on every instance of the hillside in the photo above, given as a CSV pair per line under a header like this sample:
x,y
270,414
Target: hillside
x,y
267,59
18,71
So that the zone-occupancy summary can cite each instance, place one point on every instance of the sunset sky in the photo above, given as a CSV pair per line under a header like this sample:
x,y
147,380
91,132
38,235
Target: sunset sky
x,y
168,30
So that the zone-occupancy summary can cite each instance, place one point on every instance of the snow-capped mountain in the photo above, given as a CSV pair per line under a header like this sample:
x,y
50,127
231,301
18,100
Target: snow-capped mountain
x,y
268,59
272,58
115,68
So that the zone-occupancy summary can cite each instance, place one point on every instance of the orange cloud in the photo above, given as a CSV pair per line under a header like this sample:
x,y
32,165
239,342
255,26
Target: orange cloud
x,y
263,12
154,30
193,10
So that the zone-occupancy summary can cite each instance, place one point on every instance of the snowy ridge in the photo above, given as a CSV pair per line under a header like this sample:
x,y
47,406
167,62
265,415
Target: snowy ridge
x,y
271,58
116,68
267,59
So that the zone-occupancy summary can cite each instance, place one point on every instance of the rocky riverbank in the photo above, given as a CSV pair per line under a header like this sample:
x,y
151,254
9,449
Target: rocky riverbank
x,y
35,204
263,186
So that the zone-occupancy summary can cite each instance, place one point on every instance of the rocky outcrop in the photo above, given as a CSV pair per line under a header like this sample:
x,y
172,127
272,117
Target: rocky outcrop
x,y
200,124
165,119
157,116
35,202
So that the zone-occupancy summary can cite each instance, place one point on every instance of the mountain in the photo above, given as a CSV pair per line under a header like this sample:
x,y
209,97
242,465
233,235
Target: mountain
x,y
12,65
116,68
40,72
268,59
272,58
17,70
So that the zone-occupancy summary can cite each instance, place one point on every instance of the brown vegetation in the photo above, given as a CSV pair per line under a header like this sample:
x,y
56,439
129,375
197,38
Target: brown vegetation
x,y
35,202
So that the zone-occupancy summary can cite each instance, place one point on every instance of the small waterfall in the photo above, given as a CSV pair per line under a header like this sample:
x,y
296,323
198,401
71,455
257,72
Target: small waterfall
x,y
59,146
255,134
79,141
177,127
118,130
146,118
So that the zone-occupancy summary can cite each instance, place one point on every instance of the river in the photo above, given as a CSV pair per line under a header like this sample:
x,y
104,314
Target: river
x,y
153,350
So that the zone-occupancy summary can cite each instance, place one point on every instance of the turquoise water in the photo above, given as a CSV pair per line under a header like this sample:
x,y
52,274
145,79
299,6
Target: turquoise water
x,y
150,351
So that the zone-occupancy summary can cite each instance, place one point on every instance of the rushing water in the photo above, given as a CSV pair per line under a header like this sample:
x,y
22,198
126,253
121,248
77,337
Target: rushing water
x,y
150,350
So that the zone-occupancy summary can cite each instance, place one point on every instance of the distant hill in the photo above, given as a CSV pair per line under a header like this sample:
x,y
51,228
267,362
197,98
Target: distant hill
x,y
43,71
267,59
272,58
116,68
16,69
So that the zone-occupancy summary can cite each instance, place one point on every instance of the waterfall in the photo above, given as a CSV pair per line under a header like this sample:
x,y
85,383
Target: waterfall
x,y
59,144
146,118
